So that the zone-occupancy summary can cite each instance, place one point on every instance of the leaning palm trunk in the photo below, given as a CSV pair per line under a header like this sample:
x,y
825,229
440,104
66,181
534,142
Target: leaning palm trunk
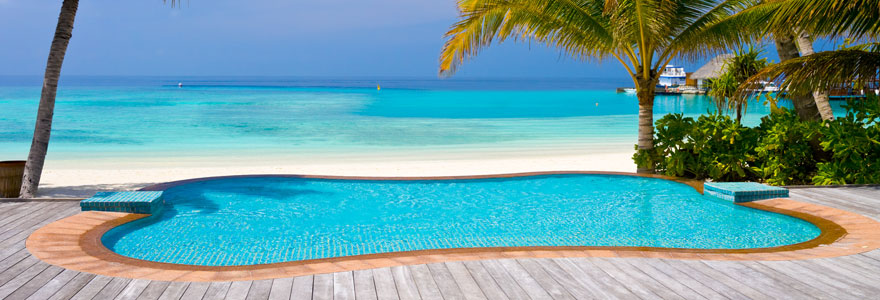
x,y
43,128
804,105
645,94
820,96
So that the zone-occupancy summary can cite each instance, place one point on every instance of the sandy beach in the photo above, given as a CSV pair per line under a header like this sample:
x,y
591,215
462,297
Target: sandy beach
x,y
79,178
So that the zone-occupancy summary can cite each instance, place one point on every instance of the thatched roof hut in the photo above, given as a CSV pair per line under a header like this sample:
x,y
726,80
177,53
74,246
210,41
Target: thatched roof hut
x,y
712,69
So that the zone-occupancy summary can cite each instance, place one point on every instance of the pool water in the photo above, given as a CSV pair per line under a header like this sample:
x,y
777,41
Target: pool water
x,y
261,220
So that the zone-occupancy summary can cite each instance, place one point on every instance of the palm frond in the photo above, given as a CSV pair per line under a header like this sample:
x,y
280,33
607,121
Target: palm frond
x,y
823,71
575,29
851,18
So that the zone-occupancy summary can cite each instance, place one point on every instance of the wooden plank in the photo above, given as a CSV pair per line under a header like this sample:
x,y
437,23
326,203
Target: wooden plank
x,y
446,282
844,270
638,283
92,289
386,289
536,282
217,290
466,282
756,279
513,281
302,288
260,290
238,290
569,275
281,288
30,274
490,287
592,276
14,258
825,276
323,287
154,290
134,289
113,288
504,279
343,285
571,285
17,231
364,286
12,241
425,282
73,286
678,285
48,289
406,287
704,279
19,212
29,265
174,291
735,284
818,281
196,290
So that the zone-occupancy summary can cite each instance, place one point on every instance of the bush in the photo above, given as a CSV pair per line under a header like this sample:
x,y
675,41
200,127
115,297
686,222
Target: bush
x,y
713,146
784,154
854,141
781,151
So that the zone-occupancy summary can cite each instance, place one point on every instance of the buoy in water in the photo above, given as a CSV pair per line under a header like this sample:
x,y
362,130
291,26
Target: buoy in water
x,y
180,84
378,88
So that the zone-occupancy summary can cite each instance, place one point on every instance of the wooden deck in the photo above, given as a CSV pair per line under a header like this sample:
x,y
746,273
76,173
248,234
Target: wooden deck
x,y
22,276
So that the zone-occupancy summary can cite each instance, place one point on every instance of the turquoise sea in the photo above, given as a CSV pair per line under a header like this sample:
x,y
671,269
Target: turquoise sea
x,y
139,117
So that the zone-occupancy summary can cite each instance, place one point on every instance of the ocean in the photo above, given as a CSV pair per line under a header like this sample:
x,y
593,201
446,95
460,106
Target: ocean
x,y
215,119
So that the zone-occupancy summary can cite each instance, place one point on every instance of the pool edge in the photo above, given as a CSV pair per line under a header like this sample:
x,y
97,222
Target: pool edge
x,y
75,243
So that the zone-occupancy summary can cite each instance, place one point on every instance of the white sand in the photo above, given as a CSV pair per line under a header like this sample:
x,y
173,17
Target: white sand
x,y
82,178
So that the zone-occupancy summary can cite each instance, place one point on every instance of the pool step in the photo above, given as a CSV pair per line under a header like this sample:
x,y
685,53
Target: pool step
x,y
137,202
743,191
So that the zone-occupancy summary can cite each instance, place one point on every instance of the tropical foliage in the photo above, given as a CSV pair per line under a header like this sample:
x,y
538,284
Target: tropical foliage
x,y
779,151
855,20
737,72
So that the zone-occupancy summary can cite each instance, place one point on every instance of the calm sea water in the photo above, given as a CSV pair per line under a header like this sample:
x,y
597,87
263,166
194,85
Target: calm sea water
x,y
245,221
151,117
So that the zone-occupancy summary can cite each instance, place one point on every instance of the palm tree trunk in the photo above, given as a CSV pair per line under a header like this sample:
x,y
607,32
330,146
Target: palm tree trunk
x,y
805,44
804,105
645,94
40,144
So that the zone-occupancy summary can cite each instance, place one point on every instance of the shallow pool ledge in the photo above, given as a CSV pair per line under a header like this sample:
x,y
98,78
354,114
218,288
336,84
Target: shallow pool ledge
x,y
75,243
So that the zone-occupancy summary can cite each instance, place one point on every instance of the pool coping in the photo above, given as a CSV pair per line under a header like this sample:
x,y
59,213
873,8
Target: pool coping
x,y
75,243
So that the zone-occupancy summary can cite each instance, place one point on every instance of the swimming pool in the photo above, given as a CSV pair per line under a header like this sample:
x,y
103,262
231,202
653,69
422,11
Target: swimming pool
x,y
273,219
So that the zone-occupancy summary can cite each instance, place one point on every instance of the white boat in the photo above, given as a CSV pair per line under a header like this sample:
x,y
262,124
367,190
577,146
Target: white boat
x,y
672,76
629,90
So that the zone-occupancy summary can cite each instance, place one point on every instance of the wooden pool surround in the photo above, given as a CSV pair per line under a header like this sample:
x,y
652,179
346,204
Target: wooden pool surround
x,y
75,243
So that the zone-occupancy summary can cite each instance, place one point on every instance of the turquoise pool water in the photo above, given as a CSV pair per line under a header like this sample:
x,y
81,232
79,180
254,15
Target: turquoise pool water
x,y
260,220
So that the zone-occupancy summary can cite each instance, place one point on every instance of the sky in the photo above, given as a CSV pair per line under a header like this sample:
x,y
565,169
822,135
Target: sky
x,y
332,38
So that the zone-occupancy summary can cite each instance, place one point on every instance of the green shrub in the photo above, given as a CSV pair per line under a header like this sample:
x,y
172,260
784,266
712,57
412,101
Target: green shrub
x,y
784,155
713,146
854,141
783,150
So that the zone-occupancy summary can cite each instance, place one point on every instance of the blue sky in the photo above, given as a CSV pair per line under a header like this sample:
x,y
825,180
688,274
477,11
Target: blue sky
x,y
264,37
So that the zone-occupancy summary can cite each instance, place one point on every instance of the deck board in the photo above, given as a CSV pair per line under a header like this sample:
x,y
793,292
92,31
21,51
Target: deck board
x,y
24,277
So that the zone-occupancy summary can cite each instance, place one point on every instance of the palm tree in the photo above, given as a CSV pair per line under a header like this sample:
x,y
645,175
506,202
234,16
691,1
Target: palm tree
x,y
42,130
737,72
643,35
856,20
40,144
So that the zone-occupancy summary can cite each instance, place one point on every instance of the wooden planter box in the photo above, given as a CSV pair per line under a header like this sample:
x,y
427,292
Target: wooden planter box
x,y
10,178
